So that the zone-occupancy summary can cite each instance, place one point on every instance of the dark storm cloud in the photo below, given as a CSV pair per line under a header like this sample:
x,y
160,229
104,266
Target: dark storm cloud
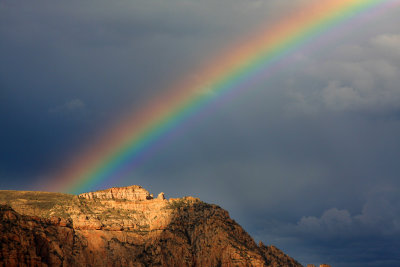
x,y
74,105
369,238
355,77
306,160
110,55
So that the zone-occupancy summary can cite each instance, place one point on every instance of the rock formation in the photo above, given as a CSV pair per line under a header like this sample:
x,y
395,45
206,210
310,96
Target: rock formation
x,y
124,227
133,192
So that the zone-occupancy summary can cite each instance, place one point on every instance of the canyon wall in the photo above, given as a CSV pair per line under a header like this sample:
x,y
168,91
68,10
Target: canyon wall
x,y
124,227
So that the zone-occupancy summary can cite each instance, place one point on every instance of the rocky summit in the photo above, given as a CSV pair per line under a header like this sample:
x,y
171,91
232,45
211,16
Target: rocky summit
x,y
124,227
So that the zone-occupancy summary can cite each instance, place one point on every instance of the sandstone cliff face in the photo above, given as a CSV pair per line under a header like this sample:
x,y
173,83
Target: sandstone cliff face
x,y
133,192
34,241
275,257
124,227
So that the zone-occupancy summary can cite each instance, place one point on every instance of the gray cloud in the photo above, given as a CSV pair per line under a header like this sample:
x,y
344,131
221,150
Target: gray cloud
x,y
344,238
379,216
74,105
390,43
359,77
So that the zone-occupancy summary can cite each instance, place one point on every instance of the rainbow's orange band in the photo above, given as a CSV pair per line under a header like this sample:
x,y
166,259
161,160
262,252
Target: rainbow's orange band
x,y
124,144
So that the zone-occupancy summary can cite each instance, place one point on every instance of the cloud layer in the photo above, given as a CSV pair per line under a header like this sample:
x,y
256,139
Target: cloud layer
x,y
356,77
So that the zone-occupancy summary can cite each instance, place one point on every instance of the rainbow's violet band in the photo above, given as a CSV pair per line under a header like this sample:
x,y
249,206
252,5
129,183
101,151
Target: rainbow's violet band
x,y
141,133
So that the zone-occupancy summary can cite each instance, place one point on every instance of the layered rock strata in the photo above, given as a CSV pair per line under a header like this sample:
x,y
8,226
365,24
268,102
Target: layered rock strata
x,y
124,227
134,192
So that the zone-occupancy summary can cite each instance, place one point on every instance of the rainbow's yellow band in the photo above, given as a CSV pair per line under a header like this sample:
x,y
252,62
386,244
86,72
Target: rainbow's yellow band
x,y
121,148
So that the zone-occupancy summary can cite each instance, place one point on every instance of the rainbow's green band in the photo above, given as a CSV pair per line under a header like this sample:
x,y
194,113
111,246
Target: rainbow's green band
x,y
138,132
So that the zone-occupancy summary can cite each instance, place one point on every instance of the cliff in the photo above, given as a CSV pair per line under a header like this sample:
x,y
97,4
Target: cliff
x,y
124,227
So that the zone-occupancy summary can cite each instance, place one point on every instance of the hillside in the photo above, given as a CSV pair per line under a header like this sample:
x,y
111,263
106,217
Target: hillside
x,y
124,227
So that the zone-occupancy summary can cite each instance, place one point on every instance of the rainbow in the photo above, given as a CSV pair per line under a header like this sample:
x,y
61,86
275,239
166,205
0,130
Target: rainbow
x,y
120,150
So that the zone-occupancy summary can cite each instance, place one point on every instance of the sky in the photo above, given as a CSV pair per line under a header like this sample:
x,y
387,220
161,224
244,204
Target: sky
x,y
307,159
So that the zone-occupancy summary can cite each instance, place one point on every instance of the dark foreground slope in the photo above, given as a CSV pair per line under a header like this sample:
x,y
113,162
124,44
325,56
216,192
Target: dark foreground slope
x,y
124,227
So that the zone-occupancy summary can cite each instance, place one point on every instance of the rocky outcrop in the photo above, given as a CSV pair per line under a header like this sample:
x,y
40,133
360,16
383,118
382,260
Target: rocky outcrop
x,y
161,196
133,192
275,257
124,227
34,241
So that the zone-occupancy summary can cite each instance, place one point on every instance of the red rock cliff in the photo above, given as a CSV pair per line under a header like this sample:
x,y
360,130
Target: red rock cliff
x,y
124,227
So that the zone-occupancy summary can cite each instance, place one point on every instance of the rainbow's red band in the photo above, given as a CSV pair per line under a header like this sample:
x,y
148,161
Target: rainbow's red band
x,y
136,133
